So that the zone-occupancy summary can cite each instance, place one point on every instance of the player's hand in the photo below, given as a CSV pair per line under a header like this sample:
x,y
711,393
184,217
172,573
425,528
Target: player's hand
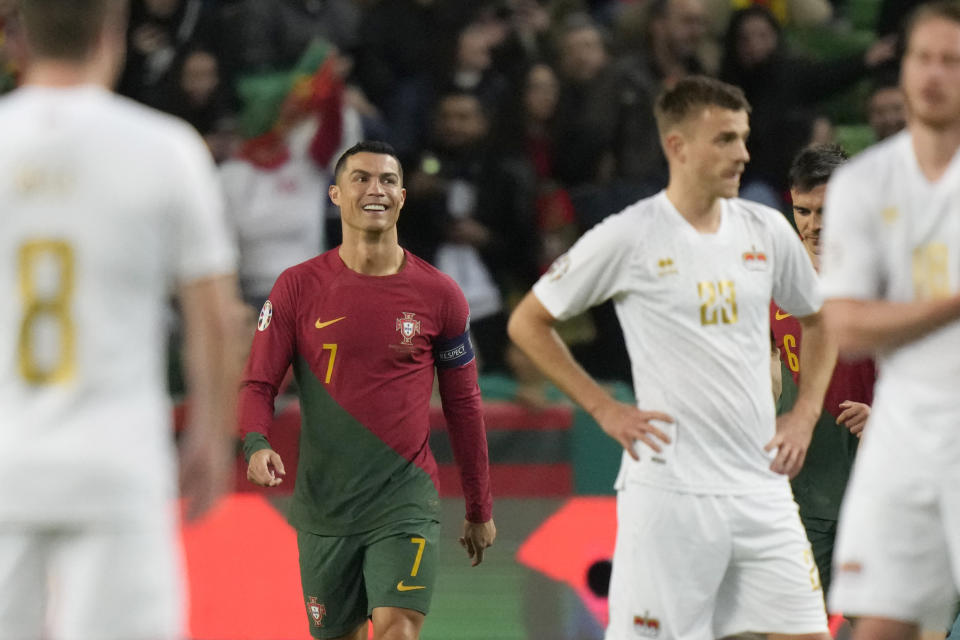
x,y
626,424
206,469
265,468
477,536
791,441
854,416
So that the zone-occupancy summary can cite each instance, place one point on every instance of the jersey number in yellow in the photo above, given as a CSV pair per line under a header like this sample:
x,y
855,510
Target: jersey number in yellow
x,y
931,273
45,304
720,294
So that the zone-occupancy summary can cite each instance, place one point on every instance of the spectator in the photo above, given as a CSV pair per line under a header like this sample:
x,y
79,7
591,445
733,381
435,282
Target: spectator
x,y
448,225
471,67
276,187
196,92
586,113
527,40
789,13
403,41
886,109
668,51
271,36
783,89
159,31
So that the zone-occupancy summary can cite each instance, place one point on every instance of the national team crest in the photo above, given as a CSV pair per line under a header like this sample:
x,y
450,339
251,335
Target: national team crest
x,y
408,326
755,260
317,611
645,626
266,313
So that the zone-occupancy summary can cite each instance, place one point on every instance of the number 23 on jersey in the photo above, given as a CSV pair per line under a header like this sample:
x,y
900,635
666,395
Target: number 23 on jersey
x,y
718,302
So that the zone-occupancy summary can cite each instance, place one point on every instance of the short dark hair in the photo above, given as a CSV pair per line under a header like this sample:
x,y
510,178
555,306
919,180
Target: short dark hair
x,y
945,9
65,29
693,93
814,165
366,146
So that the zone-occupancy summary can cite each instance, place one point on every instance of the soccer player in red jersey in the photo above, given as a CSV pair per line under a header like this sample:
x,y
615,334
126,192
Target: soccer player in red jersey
x,y
365,325
818,488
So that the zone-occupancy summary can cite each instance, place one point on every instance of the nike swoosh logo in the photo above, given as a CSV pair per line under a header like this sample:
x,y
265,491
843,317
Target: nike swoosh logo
x,y
321,325
404,587
780,315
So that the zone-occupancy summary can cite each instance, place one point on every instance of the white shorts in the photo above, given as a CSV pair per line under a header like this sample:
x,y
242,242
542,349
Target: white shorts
x,y
91,584
694,567
898,543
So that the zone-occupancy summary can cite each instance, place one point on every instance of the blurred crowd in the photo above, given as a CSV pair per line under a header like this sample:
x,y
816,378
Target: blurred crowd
x,y
520,123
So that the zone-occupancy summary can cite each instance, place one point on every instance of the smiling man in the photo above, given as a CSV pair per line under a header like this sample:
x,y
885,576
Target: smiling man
x,y
365,325
709,542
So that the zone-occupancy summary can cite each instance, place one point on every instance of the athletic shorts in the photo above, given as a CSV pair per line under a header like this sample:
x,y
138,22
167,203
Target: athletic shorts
x,y
822,535
898,545
123,584
695,567
345,578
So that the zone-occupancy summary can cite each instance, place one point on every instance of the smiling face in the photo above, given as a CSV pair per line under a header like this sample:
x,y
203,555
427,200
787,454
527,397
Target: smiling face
x,y
369,192
712,150
808,214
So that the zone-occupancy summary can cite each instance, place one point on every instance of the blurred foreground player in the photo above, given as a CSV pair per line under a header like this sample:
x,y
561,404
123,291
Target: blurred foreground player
x,y
105,206
891,273
365,327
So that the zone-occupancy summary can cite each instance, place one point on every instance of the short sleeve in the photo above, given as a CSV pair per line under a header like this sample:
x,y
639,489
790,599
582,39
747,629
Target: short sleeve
x,y
851,262
205,246
594,270
796,288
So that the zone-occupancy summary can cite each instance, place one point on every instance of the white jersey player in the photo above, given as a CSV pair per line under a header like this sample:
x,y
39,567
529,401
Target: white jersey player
x,y
105,207
709,541
892,278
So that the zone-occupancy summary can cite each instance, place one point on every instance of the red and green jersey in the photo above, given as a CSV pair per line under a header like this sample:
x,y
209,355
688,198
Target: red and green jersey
x,y
364,350
819,486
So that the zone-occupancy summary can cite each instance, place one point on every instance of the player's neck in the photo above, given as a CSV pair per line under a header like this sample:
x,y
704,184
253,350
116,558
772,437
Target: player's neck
x,y
702,210
934,147
60,74
814,258
373,256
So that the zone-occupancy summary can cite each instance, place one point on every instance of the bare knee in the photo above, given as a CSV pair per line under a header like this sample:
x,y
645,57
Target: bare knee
x,y
394,623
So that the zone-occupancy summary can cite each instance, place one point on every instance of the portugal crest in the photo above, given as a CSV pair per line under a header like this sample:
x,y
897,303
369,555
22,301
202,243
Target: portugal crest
x,y
266,313
408,326
317,611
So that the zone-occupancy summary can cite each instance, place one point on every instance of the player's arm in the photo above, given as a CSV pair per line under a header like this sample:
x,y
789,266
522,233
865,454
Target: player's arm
x,y
865,327
460,395
270,356
818,356
531,327
796,290
460,398
213,323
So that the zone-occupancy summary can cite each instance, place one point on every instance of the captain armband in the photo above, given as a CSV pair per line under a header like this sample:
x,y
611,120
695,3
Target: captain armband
x,y
451,353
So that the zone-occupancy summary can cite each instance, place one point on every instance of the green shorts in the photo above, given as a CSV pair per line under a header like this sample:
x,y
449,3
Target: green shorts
x,y
822,534
345,577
